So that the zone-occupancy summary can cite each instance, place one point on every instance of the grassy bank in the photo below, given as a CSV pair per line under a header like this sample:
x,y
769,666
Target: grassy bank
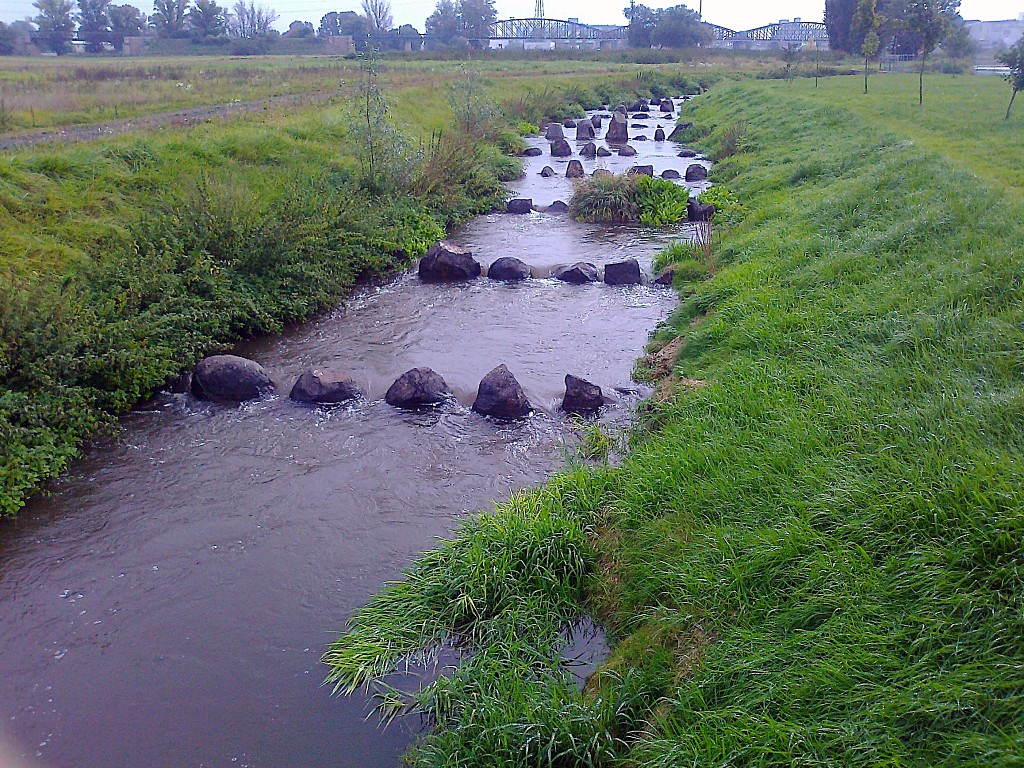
x,y
125,260
814,554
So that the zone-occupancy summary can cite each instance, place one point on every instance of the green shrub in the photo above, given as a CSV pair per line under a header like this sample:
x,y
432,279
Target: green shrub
x,y
661,202
728,208
609,199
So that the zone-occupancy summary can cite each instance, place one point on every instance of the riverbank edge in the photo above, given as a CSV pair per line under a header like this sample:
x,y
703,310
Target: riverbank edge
x,y
796,561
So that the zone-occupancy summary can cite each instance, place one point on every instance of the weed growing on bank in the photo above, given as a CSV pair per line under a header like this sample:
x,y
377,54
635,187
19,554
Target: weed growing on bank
x,y
813,553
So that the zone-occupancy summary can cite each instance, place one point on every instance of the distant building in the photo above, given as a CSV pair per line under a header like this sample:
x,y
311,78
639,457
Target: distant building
x,y
989,35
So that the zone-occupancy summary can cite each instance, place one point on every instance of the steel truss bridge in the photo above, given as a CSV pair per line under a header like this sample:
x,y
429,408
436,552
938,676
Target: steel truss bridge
x,y
551,29
782,32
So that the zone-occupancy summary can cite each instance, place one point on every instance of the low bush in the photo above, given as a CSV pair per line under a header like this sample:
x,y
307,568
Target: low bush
x,y
629,198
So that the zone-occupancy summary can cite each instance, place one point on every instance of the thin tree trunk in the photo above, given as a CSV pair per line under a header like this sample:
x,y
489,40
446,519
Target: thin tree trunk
x,y
865,74
920,83
1013,95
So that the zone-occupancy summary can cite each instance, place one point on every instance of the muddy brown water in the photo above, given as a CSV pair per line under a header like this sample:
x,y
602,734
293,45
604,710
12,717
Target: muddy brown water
x,y
167,601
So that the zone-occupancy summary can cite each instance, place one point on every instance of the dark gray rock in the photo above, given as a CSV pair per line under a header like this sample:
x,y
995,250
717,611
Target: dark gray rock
x,y
667,106
667,276
561,148
584,130
641,116
574,170
319,385
519,205
618,129
416,388
637,106
627,151
501,396
579,273
589,150
231,379
687,153
602,172
641,170
595,120
638,125
696,211
557,207
569,123
533,152
547,171
670,173
659,134
508,268
640,137
554,132
696,172
603,152
621,109
623,273
581,396
446,261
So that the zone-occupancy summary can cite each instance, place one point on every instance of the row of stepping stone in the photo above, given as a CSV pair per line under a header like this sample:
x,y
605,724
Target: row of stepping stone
x,y
447,262
230,378
574,170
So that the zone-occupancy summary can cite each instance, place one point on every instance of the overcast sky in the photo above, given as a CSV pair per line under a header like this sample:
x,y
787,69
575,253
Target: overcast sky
x,y
735,14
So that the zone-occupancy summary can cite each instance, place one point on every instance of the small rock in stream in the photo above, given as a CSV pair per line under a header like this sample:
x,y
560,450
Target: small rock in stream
x,y
319,385
581,396
519,205
501,396
578,273
508,268
416,388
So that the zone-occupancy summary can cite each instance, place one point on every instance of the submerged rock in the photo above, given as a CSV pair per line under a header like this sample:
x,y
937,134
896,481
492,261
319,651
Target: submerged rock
x,y
581,396
641,170
319,385
574,170
557,207
696,172
519,205
229,378
627,151
670,173
508,268
569,123
602,172
604,152
687,153
416,388
578,273
533,152
446,261
623,273
547,171
641,137
501,396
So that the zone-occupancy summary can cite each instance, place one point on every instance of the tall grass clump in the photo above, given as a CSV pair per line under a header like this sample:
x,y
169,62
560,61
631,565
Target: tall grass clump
x,y
629,198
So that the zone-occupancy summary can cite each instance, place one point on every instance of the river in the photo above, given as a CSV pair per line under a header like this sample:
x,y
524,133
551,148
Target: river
x,y
166,602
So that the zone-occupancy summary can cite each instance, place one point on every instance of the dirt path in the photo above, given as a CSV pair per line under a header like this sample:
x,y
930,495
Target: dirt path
x,y
179,118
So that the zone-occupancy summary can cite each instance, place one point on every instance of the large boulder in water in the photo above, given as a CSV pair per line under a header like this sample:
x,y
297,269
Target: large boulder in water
x,y
623,273
687,153
697,211
229,378
547,172
416,388
641,170
627,151
618,129
584,130
519,205
557,207
446,261
508,268
667,106
696,172
554,132
561,148
501,396
602,172
588,150
568,123
603,152
532,152
581,396
659,134
578,273
574,170
670,173
595,120
319,385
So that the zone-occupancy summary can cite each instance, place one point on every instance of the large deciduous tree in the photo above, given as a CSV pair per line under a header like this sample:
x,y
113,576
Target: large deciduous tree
x,y
443,24
8,39
680,27
476,17
838,23
169,17
206,19
1014,59
56,25
125,21
642,23
250,21
378,15
94,24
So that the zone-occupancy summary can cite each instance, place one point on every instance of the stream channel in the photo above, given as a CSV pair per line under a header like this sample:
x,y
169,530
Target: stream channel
x,y
166,602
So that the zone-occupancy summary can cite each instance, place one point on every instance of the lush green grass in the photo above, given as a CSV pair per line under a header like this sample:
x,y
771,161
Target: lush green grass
x,y
817,558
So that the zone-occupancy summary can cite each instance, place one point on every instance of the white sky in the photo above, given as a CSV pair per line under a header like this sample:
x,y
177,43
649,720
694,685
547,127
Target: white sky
x,y
735,14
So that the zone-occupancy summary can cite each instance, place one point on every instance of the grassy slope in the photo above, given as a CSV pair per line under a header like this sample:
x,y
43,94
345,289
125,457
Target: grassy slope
x,y
816,558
